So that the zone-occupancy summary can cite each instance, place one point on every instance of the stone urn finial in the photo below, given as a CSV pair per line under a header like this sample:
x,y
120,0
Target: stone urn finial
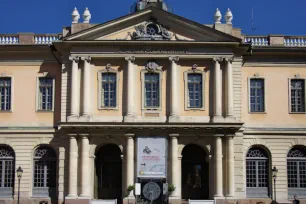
x,y
86,16
228,17
218,16
75,16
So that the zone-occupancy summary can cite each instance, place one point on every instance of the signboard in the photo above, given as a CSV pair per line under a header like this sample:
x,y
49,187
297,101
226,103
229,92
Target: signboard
x,y
152,157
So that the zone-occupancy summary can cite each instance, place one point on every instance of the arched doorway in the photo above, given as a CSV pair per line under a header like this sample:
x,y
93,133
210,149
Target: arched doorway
x,y
109,172
195,173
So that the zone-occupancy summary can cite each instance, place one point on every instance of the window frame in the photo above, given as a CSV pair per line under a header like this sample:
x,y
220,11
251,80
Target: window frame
x,y
108,70
297,77
12,93
7,192
37,93
186,73
256,76
299,191
143,94
55,160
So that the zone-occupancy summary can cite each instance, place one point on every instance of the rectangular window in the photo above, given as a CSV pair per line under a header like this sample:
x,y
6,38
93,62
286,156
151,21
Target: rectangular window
x,y
195,91
45,97
297,95
257,91
109,90
152,90
5,93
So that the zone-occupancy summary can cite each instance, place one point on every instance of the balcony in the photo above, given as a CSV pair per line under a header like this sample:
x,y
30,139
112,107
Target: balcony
x,y
28,38
275,40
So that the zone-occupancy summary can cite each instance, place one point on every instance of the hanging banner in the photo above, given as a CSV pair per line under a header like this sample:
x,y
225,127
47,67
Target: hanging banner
x,y
152,157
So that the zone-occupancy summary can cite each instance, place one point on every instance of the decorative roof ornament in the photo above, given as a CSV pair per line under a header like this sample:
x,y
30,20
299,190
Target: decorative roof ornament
x,y
151,31
86,16
75,15
228,16
218,16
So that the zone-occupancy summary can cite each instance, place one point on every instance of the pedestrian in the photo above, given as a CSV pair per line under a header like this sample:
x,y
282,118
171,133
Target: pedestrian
x,y
295,201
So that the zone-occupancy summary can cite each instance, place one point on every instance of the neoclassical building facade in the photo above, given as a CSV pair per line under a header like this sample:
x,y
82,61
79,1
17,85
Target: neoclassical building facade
x,y
156,99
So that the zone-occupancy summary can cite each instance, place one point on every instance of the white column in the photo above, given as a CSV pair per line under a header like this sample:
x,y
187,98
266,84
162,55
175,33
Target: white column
x,y
230,167
218,167
229,73
179,177
130,160
74,86
85,174
131,86
174,164
218,90
73,167
86,86
174,106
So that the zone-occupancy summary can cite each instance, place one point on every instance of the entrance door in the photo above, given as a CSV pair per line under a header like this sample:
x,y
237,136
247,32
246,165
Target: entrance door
x,y
195,173
109,172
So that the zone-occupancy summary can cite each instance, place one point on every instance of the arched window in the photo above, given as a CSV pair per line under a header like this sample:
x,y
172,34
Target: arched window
x,y
296,170
257,174
7,170
44,182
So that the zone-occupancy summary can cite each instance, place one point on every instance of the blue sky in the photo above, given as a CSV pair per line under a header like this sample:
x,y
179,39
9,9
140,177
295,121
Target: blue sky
x,y
49,16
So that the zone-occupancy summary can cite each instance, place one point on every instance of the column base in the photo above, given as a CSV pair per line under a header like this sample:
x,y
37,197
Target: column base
x,y
230,118
174,118
85,118
129,118
218,119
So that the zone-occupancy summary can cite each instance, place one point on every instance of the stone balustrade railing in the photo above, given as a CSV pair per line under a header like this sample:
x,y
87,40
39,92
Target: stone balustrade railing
x,y
45,39
295,41
276,40
28,38
9,39
257,40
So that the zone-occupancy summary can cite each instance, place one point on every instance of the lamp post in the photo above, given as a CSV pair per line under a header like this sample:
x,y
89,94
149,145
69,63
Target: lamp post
x,y
274,175
19,175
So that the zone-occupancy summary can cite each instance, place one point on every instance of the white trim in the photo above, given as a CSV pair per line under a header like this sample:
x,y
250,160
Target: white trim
x,y
186,89
265,94
99,77
142,77
37,93
4,75
289,94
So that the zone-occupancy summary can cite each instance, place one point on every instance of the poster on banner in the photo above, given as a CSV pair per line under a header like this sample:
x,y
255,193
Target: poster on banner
x,y
152,157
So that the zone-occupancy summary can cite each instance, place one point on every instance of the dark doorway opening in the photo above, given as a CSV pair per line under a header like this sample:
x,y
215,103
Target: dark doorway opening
x,y
195,173
109,172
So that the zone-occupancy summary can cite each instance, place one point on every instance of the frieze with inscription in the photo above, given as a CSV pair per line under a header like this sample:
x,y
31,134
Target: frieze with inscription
x,y
156,50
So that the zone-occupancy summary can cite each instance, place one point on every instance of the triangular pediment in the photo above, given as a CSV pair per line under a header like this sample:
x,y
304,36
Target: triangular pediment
x,y
152,24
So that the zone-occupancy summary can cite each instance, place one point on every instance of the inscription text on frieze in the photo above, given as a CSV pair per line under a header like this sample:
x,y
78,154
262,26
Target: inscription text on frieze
x,y
156,50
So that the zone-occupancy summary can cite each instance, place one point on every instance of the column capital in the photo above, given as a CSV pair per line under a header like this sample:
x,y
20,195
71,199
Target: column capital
x,y
174,135
84,135
86,58
130,135
130,58
174,58
218,59
75,135
230,136
74,58
229,59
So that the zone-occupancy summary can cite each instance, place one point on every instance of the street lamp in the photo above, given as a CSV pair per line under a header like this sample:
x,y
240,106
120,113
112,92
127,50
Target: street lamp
x,y
274,176
19,175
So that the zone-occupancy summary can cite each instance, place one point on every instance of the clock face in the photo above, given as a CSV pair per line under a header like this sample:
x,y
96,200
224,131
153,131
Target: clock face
x,y
151,191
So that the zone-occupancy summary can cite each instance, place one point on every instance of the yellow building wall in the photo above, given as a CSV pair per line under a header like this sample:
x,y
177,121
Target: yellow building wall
x,y
24,90
276,96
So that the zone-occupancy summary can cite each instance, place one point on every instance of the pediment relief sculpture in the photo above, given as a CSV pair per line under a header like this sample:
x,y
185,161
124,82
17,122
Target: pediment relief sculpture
x,y
151,31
